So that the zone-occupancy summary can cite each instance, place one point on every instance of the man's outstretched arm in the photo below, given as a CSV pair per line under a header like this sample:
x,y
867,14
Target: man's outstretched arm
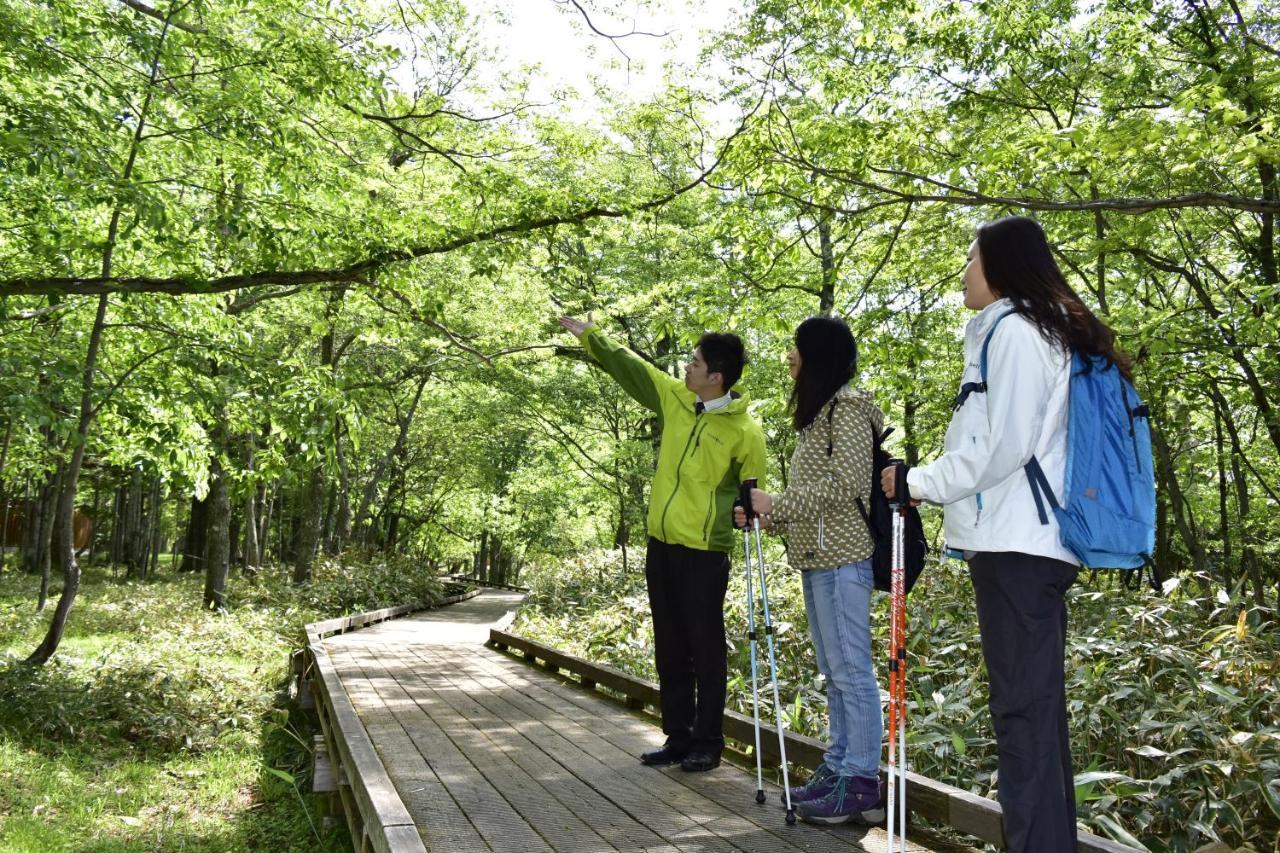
x,y
637,377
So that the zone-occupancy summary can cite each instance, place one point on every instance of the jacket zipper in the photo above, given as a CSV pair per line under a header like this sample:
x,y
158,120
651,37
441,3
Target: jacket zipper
x,y
978,497
679,468
822,542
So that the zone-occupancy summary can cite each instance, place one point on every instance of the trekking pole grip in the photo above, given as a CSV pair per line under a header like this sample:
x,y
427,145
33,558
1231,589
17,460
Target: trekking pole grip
x,y
901,491
744,497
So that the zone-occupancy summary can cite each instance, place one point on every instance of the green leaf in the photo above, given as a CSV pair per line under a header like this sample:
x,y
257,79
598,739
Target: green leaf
x,y
1100,776
1218,690
280,774
1118,832
1272,798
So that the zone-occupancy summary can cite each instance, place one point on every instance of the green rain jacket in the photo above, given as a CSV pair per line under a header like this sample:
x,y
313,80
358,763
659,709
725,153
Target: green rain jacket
x,y
702,458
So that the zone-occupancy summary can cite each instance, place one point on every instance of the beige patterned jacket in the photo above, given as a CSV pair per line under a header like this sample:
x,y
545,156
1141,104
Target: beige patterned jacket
x,y
818,512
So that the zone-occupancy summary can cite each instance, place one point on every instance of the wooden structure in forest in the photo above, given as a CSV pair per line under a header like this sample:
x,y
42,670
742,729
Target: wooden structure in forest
x,y
13,520
443,731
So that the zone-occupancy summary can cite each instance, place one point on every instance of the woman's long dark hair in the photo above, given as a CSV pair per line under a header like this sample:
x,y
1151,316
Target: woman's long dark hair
x,y
828,360
1018,264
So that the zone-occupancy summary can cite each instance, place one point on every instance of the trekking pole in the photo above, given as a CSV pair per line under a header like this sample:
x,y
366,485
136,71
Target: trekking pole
x,y
747,486
751,636
898,662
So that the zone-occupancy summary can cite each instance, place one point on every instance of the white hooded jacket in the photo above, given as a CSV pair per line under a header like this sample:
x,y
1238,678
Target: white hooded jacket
x,y
979,478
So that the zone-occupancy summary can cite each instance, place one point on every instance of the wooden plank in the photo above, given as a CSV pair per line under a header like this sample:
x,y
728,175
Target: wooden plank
x,y
405,838
576,723
529,804
440,823
574,758
938,801
375,796
496,762
317,631
500,744
600,674
322,777
970,813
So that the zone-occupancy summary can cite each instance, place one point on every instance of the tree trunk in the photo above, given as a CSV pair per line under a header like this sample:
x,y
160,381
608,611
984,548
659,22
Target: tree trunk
x,y
195,543
388,461
268,501
133,537
313,505
481,570
46,543
219,545
1177,501
38,527
1248,555
117,511
97,520
827,296
342,524
157,519
65,517
309,529
251,557
67,499
1224,520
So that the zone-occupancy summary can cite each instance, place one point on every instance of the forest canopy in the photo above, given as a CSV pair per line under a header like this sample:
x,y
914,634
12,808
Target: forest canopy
x,y
279,279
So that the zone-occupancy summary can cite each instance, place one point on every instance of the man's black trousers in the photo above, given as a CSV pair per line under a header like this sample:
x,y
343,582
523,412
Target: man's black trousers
x,y
686,597
1023,619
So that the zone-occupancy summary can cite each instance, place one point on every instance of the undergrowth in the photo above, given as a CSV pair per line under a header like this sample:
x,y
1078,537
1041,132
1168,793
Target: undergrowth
x,y
159,725
1174,700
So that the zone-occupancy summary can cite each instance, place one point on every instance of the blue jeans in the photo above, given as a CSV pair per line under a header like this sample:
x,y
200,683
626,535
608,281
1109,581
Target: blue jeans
x,y
838,602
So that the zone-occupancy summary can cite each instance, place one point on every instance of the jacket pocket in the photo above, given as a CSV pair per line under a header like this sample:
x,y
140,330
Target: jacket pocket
x,y
706,524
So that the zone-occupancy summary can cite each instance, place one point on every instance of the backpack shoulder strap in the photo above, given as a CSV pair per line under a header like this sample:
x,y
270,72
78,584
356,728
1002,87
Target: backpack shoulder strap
x,y
831,435
877,439
986,344
980,387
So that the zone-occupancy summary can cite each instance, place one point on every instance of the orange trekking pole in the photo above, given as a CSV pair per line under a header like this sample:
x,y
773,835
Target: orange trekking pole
x,y
898,662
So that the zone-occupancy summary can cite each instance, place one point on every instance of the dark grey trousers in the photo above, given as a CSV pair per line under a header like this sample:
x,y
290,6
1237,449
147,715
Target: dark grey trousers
x,y
1023,619
686,597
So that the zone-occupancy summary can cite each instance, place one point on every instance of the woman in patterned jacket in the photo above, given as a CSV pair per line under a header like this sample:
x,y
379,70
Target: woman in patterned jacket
x,y
828,541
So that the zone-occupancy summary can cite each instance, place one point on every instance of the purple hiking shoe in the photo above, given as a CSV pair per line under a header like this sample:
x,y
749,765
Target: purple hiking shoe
x,y
853,799
819,785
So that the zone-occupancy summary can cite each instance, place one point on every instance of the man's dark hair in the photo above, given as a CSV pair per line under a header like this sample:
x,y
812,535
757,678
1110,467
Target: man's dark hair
x,y
724,354
828,360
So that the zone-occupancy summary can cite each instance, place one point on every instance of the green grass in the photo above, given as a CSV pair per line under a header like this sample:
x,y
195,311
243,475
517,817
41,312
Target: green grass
x,y
157,726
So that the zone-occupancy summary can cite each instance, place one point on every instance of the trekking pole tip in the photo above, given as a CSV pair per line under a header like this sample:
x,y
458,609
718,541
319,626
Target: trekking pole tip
x,y
759,795
791,817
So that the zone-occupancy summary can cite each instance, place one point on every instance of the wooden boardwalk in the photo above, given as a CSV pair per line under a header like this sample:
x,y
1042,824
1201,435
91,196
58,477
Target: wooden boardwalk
x,y
488,753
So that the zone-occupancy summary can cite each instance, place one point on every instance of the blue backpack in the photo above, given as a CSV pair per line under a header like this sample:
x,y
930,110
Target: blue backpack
x,y
1107,517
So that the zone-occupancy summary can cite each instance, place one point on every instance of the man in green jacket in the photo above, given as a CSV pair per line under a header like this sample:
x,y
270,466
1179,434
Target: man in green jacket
x,y
709,446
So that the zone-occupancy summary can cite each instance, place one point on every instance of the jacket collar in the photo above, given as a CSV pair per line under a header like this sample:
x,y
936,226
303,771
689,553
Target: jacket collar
x,y
981,323
737,403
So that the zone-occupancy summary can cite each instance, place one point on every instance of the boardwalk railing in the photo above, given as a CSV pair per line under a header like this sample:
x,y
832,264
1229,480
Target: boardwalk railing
x,y
961,810
467,579
376,815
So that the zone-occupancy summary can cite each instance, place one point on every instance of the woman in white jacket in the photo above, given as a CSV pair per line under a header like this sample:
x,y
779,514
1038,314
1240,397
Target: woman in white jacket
x,y
1029,321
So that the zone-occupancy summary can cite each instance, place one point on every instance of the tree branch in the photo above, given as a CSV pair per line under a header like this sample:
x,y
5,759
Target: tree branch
x,y
144,9
359,272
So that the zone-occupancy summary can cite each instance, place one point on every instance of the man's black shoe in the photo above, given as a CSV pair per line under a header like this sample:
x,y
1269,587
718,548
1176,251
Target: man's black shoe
x,y
663,757
696,762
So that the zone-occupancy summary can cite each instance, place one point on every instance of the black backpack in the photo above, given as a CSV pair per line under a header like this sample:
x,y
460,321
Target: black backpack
x,y
880,518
